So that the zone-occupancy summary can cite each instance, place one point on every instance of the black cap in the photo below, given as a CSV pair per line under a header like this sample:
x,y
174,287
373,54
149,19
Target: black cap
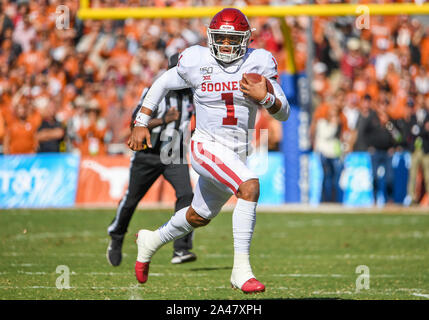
x,y
172,61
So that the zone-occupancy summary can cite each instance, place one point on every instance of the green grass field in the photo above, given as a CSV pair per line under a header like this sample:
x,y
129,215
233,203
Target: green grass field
x,y
296,255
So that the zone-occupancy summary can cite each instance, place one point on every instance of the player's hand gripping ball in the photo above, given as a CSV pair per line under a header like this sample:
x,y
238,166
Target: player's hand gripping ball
x,y
255,86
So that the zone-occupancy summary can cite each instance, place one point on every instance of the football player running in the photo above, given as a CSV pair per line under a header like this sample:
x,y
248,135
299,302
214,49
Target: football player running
x,y
226,101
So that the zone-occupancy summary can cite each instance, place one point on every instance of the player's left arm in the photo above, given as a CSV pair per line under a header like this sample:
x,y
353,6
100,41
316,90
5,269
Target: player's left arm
x,y
280,110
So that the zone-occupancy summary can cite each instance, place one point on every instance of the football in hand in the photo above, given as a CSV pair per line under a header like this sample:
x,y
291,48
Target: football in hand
x,y
255,77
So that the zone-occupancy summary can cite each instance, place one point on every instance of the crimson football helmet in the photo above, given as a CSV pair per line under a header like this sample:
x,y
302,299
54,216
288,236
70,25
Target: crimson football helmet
x,y
230,24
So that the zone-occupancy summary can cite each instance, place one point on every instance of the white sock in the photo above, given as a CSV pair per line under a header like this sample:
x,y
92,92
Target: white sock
x,y
243,224
149,242
176,227
242,271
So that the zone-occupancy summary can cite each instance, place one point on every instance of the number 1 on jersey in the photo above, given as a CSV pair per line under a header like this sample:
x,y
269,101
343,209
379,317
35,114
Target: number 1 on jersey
x,y
230,112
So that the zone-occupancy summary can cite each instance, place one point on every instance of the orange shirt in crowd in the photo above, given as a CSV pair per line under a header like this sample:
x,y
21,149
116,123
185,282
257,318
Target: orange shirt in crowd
x,y
2,127
33,61
5,109
131,29
424,47
21,135
393,79
71,65
322,112
398,106
121,58
92,141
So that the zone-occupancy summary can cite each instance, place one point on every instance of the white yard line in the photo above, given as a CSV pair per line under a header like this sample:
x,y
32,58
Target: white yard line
x,y
332,292
68,254
316,275
378,256
32,273
50,235
48,287
309,275
134,292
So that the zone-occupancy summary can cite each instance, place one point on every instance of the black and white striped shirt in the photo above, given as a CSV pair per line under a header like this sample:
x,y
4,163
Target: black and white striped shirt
x,y
162,135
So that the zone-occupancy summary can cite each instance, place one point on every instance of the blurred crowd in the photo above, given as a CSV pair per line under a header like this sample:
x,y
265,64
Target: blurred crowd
x,y
72,87
371,93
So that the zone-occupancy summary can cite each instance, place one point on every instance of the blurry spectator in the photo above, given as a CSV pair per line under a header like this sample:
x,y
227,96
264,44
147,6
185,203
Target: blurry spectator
x,y
377,133
87,42
9,50
419,146
268,39
5,22
22,11
120,56
351,112
404,125
424,48
92,131
384,59
321,85
322,111
33,59
328,144
74,122
2,130
51,132
359,136
422,81
24,32
352,59
21,129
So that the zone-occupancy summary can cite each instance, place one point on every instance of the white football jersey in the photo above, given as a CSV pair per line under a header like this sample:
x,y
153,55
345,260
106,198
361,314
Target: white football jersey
x,y
223,114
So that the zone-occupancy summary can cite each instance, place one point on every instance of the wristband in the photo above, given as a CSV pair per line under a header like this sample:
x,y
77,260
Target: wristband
x,y
268,101
142,120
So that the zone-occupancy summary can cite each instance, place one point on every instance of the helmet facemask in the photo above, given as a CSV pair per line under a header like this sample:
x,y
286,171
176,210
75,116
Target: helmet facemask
x,y
227,53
